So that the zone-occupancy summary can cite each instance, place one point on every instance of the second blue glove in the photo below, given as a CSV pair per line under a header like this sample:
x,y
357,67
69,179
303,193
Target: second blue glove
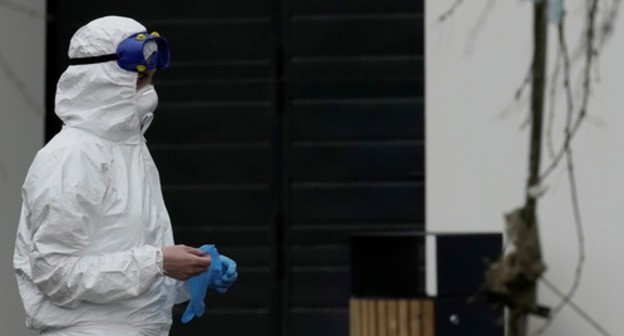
x,y
220,275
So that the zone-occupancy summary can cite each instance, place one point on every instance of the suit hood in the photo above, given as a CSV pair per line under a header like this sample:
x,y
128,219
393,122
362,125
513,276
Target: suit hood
x,y
100,98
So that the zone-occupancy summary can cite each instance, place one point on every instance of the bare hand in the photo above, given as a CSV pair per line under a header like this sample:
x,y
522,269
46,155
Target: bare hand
x,y
182,262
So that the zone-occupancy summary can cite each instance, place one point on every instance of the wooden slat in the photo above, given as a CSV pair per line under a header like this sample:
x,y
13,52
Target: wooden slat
x,y
354,311
382,318
372,312
370,320
363,318
415,318
393,323
428,318
391,317
403,317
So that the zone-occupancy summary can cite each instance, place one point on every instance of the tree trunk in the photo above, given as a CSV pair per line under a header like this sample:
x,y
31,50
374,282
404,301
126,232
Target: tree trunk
x,y
517,322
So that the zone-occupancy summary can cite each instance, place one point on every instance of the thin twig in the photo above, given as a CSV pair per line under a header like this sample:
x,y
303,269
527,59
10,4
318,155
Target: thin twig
x,y
525,83
585,316
551,110
607,25
517,95
520,91
589,57
450,10
476,28
565,300
567,83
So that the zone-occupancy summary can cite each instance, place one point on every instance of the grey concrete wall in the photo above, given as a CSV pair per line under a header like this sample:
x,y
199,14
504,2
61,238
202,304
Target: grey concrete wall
x,y
22,59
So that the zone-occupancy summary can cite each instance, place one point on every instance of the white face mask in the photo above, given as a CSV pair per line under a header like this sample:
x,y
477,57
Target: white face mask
x,y
146,102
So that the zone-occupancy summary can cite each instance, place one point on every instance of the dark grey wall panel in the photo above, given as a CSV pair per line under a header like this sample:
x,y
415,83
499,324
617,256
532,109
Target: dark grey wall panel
x,y
222,39
183,91
202,165
379,203
230,322
324,234
358,120
319,255
357,67
319,322
188,10
219,204
344,35
243,239
332,282
354,89
346,7
227,69
204,122
375,161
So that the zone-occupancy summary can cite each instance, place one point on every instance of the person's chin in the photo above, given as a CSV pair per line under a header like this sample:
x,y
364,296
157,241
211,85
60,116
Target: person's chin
x,y
142,82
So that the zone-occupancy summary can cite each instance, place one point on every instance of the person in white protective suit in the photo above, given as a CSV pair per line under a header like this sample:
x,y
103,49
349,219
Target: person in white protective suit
x,y
94,251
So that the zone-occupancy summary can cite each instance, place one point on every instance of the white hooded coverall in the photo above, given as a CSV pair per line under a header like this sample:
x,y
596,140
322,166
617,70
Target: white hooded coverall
x,y
88,256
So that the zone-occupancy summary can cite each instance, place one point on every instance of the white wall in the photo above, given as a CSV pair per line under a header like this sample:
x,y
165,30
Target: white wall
x,y
477,153
22,49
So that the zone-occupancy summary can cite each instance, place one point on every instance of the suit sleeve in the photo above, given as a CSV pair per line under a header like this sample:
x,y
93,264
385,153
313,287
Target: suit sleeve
x,y
64,200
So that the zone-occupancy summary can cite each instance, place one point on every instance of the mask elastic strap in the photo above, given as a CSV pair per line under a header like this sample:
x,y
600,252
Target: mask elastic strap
x,y
93,59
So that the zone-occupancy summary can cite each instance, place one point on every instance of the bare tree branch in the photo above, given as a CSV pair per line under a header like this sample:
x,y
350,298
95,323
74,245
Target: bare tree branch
x,y
589,58
607,25
514,104
525,83
481,20
591,321
552,104
450,11
565,300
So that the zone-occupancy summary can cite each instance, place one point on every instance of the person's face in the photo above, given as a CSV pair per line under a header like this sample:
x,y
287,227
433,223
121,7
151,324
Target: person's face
x,y
145,78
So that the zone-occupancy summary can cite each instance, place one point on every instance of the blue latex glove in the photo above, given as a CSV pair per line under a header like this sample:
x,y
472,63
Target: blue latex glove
x,y
198,285
220,276
228,276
